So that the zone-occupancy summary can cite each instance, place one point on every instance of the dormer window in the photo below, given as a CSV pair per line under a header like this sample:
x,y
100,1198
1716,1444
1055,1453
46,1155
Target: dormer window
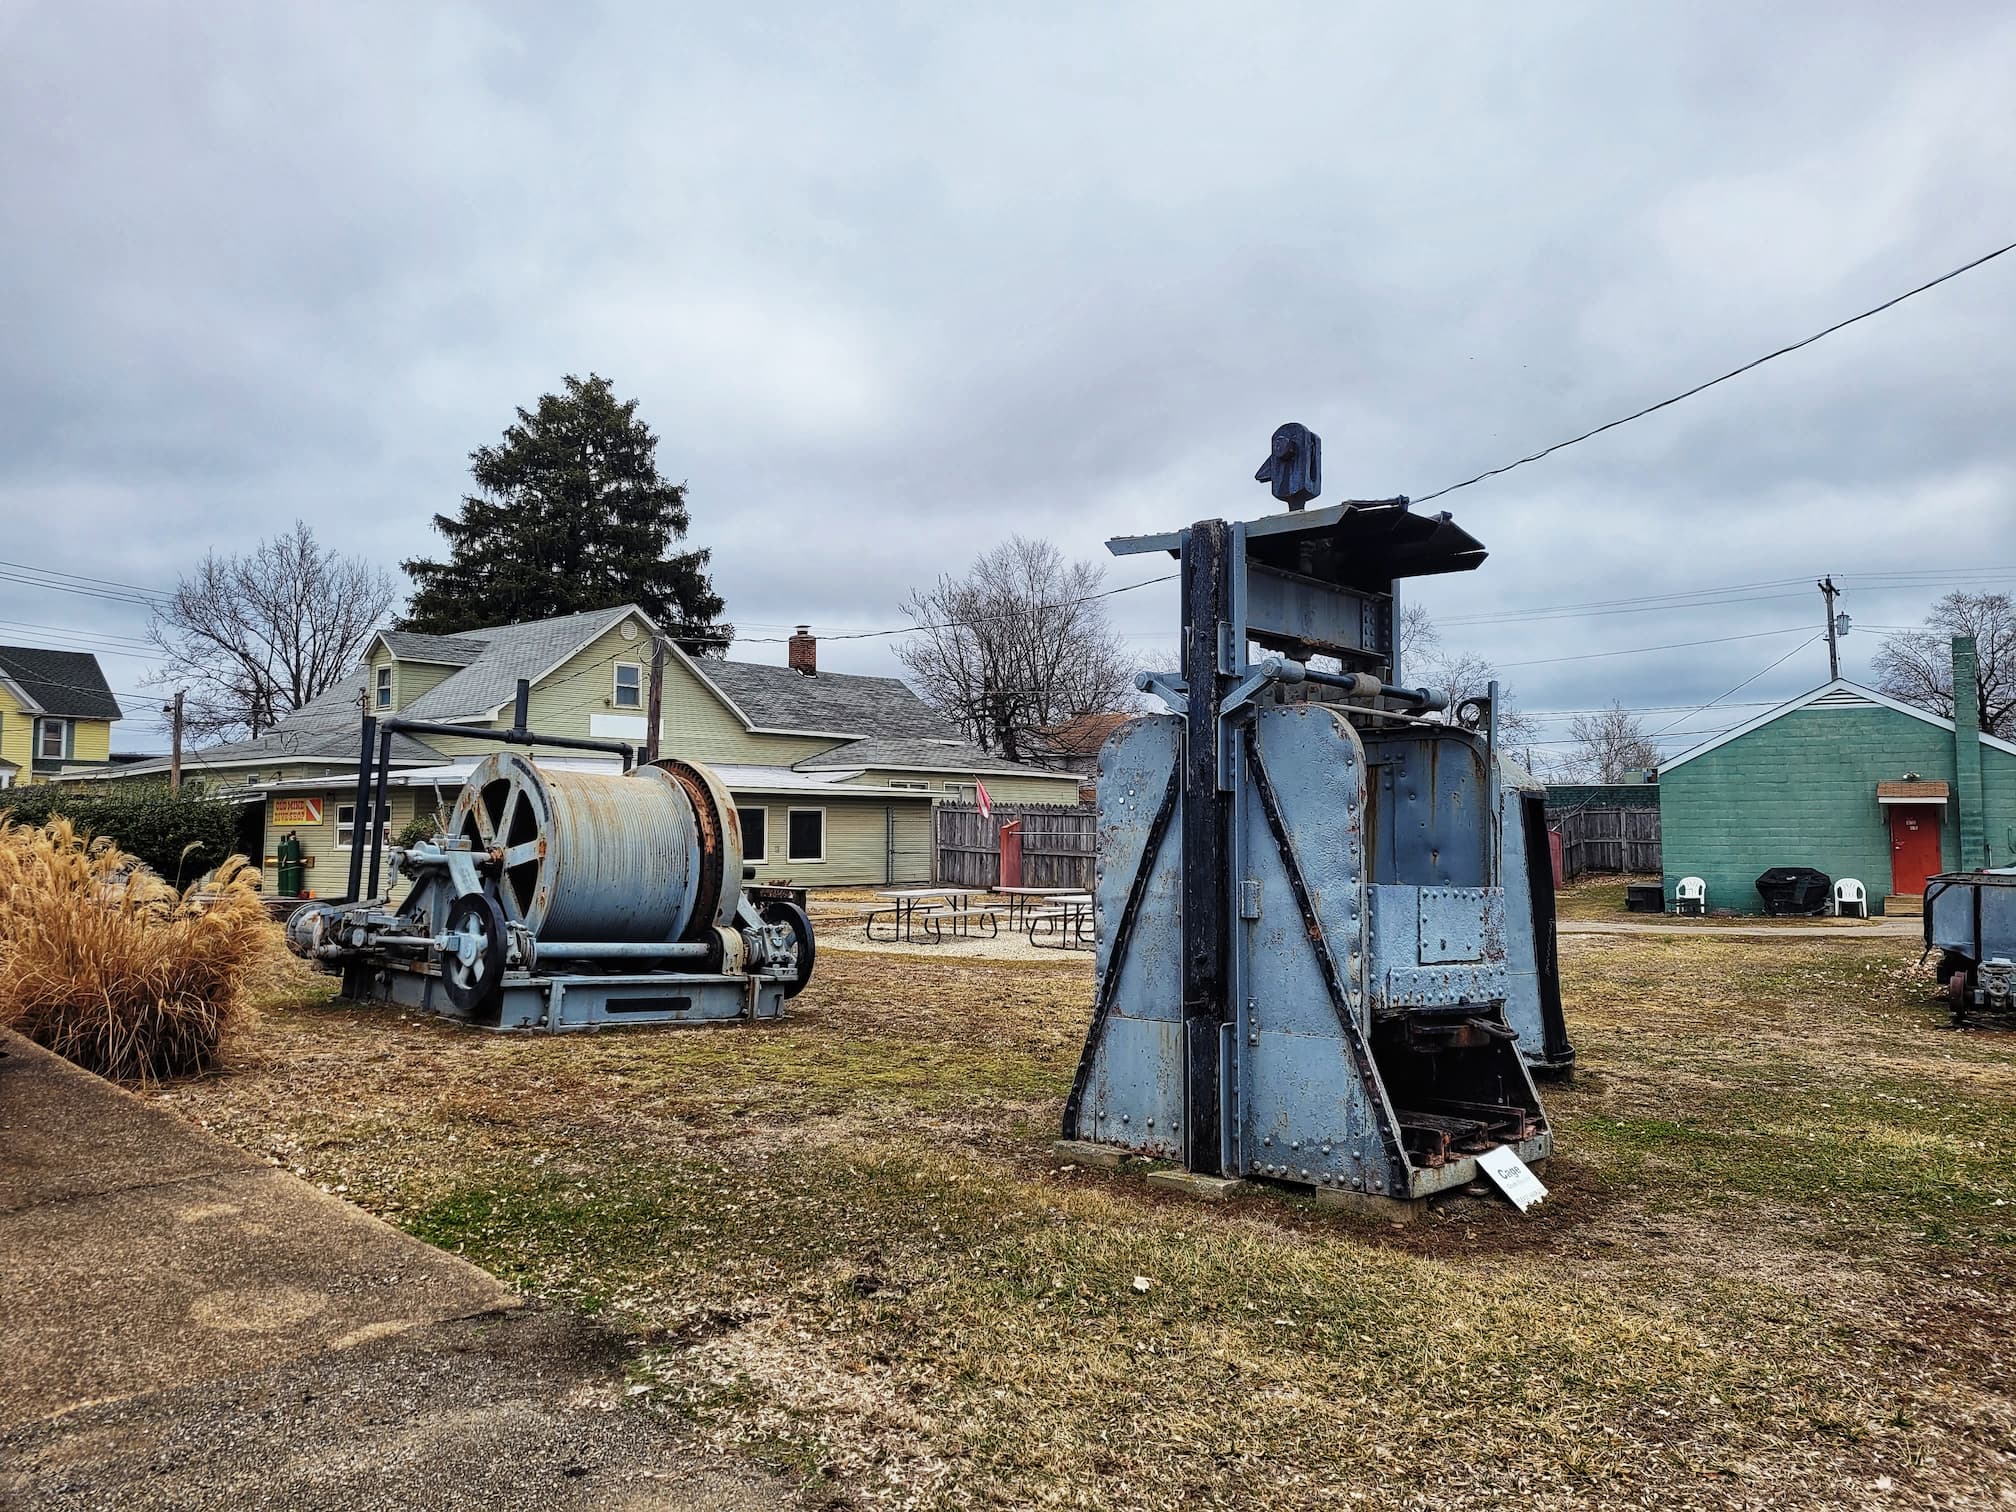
x,y
384,687
629,685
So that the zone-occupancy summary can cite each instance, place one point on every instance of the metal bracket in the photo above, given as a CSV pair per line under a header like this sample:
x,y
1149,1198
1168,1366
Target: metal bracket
x,y
1166,686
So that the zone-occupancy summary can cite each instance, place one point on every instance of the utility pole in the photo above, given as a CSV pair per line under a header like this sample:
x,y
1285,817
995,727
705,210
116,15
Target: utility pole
x,y
1827,592
656,702
174,713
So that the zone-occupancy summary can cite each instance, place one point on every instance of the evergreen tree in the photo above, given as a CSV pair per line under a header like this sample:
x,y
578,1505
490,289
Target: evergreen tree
x,y
570,515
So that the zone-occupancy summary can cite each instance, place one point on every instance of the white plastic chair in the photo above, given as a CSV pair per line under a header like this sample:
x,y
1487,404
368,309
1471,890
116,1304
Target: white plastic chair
x,y
1851,899
1690,896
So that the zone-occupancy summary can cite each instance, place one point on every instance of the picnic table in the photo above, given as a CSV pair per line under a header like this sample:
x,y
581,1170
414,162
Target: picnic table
x,y
928,907
1022,899
1070,920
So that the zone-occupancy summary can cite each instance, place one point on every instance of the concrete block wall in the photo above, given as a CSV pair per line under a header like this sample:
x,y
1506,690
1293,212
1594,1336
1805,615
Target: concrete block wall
x,y
1801,791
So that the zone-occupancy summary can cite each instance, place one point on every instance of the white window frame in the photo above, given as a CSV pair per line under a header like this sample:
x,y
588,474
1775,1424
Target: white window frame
x,y
66,739
764,810
791,860
909,784
350,829
6,779
616,685
383,684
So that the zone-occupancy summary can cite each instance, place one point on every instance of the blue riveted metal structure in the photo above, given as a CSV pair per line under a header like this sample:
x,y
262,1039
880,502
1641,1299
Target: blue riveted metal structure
x,y
1326,945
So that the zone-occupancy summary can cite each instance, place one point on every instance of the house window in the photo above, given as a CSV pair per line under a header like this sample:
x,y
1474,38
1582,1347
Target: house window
x,y
384,687
346,825
755,825
53,739
807,840
907,783
629,685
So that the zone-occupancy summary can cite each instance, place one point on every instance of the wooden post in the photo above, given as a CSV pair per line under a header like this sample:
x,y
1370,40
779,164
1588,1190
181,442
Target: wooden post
x,y
655,712
175,742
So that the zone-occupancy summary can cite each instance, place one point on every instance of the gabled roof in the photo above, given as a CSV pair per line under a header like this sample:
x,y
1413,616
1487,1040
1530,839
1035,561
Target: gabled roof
x,y
438,650
826,703
920,755
326,728
508,652
63,684
1838,694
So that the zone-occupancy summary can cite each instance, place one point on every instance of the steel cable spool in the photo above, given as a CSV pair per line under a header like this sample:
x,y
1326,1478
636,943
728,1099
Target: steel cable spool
x,y
578,856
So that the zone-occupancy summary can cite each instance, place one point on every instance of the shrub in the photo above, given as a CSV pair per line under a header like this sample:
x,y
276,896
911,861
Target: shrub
x,y
420,827
110,967
180,835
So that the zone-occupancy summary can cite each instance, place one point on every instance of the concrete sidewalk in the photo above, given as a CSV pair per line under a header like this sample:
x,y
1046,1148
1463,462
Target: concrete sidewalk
x,y
182,1325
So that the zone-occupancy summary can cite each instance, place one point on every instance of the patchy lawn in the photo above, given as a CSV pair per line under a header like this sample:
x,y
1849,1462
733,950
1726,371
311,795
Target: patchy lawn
x,y
1776,1269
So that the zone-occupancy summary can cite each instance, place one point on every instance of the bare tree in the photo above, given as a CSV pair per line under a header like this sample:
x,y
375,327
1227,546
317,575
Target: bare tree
x,y
1609,743
256,636
1456,675
1917,665
1017,646
1418,637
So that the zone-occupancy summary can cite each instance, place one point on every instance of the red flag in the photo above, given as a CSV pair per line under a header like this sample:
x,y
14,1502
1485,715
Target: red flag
x,y
986,803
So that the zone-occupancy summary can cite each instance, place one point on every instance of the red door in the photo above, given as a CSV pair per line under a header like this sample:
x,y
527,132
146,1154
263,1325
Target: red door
x,y
1914,846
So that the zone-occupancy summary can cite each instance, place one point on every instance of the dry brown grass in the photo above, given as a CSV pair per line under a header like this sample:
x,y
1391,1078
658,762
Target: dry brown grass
x,y
1776,1270
110,967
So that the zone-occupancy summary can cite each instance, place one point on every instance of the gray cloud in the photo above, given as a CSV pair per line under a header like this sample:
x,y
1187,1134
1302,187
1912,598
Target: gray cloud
x,y
892,285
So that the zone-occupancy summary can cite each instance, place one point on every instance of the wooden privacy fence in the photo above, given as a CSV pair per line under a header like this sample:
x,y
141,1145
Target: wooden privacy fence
x,y
1059,848
1607,840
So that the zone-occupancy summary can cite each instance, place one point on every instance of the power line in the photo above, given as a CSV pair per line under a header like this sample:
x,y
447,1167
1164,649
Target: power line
x,y
1732,373
79,577
1719,640
1738,688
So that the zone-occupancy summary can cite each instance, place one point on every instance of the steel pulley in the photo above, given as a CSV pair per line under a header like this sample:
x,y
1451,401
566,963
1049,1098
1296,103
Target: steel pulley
x,y
473,967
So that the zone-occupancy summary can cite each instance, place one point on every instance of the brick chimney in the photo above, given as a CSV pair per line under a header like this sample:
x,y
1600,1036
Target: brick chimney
x,y
804,654
1967,754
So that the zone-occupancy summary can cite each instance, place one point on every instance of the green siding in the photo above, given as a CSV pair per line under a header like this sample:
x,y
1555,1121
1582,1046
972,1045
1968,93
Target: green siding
x,y
329,875
1801,791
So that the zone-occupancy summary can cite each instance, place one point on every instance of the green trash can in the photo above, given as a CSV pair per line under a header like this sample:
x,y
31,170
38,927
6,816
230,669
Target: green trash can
x,y
293,875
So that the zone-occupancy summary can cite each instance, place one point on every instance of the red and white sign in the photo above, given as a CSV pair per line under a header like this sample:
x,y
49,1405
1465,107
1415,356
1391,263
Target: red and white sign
x,y
980,797
297,810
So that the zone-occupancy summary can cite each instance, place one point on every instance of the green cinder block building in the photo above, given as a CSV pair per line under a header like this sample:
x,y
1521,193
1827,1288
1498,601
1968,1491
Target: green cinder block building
x,y
1849,781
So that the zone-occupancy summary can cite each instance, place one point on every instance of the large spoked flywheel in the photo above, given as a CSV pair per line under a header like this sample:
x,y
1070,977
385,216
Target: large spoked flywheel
x,y
578,855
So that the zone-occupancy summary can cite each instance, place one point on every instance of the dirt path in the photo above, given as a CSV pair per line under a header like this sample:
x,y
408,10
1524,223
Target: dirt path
x,y
187,1325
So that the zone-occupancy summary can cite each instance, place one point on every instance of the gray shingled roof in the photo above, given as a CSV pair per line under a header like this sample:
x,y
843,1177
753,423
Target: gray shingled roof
x,y
509,653
938,755
440,650
67,684
326,728
835,703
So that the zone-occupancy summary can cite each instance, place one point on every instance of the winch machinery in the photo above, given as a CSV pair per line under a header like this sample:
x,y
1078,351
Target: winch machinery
x,y
1326,929
567,899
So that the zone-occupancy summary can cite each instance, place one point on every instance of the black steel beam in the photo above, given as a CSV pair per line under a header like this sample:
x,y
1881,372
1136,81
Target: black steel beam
x,y
363,797
1207,828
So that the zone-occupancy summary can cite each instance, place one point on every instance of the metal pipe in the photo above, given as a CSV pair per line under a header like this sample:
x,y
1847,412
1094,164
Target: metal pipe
x,y
615,950
375,816
622,748
363,797
1367,686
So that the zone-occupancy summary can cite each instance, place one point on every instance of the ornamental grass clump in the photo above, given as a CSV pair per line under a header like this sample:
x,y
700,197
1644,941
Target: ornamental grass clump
x,y
107,965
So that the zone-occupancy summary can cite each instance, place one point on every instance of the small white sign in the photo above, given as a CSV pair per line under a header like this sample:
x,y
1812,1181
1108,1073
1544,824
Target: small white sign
x,y
1514,1177
617,726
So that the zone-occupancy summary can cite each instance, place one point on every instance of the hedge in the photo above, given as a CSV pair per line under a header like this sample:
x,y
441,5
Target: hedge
x,y
142,819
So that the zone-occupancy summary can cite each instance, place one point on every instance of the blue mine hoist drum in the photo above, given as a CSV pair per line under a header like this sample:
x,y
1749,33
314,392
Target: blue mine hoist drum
x,y
1326,942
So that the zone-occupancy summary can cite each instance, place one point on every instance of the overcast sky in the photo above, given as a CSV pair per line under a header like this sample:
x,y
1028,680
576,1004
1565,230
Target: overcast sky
x,y
894,283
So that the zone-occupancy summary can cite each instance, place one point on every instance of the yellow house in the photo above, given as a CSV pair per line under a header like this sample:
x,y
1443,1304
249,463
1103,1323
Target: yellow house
x,y
833,775
56,714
